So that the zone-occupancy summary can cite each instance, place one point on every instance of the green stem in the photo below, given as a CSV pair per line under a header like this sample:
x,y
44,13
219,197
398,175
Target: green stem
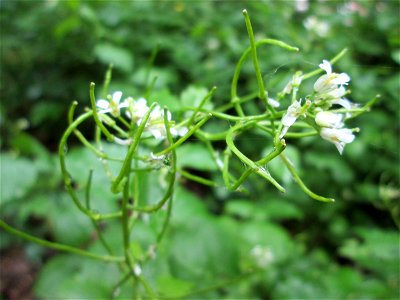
x,y
253,166
95,222
200,106
58,246
172,180
100,124
239,67
198,179
79,135
297,178
120,180
107,80
262,93
66,176
185,137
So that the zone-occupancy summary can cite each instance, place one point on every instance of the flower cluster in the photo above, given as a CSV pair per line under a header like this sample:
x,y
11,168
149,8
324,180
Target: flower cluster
x,y
262,256
329,90
135,110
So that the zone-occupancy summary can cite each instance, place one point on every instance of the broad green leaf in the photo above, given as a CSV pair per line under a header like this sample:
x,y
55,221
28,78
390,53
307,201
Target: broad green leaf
x,y
195,156
170,286
379,251
17,177
241,208
271,236
110,54
193,95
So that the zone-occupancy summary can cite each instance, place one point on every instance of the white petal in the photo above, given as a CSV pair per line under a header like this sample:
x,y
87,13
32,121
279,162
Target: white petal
x,y
116,97
339,137
346,135
284,131
340,147
341,78
343,102
288,120
158,132
326,66
338,92
273,102
329,119
123,104
320,84
104,104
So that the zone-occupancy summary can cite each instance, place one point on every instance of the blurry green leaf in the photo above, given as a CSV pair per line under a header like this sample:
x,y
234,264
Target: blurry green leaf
x,y
240,208
277,167
186,207
28,145
45,111
67,223
165,98
201,249
73,277
53,274
80,161
379,251
165,78
339,169
38,206
66,26
281,209
110,54
396,56
271,236
18,175
196,156
170,286
192,96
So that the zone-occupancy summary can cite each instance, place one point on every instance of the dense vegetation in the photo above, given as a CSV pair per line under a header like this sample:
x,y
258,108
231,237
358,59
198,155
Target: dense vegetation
x,y
52,50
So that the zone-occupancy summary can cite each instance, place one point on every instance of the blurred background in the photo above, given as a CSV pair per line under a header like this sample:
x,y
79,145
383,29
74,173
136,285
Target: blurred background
x,y
51,51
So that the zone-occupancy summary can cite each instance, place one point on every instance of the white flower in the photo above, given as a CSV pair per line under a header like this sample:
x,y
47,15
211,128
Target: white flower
x,y
319,27
330,81
137,109
293,83
263,256
293,112
340,137
329,119
273,102
112,105
178,131
345,103
156,158
137,270
155,125
301,5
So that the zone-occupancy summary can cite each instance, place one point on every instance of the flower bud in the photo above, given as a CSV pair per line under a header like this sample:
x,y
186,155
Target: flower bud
x,y
329,119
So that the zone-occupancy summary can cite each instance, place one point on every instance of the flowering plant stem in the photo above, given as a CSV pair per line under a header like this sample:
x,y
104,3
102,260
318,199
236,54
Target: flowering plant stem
x,y
143,127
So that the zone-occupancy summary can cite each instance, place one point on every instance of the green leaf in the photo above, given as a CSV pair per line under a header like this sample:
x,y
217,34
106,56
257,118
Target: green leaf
x,y
279,209
17,177
195,156
193,95
268,235
241,208
110,54
72,277
379,251
170,286
165,98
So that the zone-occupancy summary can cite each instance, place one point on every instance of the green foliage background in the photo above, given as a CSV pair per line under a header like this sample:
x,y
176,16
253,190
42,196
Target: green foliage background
x,y
51,50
